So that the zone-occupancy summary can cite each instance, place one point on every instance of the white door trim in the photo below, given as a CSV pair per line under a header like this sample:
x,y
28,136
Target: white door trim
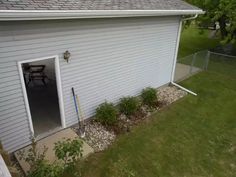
x,y
59,89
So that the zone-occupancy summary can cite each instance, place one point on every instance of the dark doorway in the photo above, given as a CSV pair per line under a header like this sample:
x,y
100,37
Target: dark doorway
x,y
41,88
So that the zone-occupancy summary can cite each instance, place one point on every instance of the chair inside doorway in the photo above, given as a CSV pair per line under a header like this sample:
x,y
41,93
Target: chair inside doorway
x,y
41,88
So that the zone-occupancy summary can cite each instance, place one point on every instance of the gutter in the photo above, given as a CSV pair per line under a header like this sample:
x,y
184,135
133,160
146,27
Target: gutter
x,y
14,15
176,55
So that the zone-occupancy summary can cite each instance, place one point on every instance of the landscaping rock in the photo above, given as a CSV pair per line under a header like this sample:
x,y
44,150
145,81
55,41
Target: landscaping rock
x,y
122,117
170,94
145,110
97,136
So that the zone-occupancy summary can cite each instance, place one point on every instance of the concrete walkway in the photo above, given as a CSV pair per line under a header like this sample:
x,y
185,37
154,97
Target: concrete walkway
x,y
182,71
49,143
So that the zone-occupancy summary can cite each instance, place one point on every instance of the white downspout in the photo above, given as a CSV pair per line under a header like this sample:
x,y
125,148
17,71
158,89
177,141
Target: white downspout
x,y
190,18
176,55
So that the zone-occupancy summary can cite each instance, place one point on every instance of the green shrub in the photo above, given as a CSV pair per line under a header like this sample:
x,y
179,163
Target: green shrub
x,y
45,169
128,105
68,153
106,114
149,96
69,149
39,166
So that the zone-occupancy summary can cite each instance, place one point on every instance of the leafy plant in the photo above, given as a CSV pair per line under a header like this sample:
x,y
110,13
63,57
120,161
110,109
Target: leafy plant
x,y
128,105
149,96
32,156
221,11
69,151
39,166
106,114
44,168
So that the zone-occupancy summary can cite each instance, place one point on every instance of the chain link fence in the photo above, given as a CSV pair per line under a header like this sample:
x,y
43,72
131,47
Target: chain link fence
x,y
200,61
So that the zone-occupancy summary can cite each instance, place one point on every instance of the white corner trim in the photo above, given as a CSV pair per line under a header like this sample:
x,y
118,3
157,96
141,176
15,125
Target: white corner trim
x,y
59,89
8,15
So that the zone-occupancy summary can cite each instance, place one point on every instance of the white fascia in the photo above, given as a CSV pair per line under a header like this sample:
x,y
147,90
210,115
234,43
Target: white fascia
x,y
12,15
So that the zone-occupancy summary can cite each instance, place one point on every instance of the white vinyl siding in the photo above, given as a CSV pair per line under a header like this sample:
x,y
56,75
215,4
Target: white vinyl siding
x,y
110,58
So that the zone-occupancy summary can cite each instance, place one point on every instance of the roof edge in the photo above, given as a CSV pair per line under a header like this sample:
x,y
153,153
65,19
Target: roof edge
x,y
15,15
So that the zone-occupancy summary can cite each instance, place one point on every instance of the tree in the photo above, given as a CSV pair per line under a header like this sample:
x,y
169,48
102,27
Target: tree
x,y
222,11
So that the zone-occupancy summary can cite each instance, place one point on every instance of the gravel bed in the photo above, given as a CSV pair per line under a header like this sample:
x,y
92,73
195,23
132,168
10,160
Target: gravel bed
x,y
97,136
170,94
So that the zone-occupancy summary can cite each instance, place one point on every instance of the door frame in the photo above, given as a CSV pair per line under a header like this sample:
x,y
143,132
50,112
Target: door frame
x,y
59,89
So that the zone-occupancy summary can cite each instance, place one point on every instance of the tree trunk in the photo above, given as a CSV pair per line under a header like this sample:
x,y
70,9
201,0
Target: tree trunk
x,y
222,23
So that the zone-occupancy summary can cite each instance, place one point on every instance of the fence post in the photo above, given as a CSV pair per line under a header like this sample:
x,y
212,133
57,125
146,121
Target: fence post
x,y
193,61
207,59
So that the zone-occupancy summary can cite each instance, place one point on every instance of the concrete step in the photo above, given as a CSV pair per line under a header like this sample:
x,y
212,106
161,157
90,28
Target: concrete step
x,y
49,142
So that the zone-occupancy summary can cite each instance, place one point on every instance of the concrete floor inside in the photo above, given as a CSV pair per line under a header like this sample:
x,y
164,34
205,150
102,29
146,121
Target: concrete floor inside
x,y
44,106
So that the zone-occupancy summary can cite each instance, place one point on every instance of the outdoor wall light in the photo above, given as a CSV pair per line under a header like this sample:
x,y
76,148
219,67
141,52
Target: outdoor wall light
x,y
67,56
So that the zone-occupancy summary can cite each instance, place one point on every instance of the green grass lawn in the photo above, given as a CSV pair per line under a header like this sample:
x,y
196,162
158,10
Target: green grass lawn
x,y
193,40
193,137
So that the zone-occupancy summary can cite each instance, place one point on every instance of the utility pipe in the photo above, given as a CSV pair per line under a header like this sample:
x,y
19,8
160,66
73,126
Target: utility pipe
x,y
176,55
182,88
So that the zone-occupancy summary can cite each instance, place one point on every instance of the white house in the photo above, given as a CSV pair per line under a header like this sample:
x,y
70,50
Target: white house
x,y
116,49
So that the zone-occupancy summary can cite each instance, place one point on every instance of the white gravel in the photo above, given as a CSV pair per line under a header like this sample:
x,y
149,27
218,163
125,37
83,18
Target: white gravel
x,y
97,136
170,94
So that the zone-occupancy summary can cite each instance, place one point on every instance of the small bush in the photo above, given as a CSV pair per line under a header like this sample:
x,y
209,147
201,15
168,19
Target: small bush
x,y
45,169
149,96
128,105
39,166
68,153
106,114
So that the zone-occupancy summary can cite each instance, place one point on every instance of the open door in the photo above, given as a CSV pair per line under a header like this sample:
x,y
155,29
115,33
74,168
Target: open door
x,y
43,95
